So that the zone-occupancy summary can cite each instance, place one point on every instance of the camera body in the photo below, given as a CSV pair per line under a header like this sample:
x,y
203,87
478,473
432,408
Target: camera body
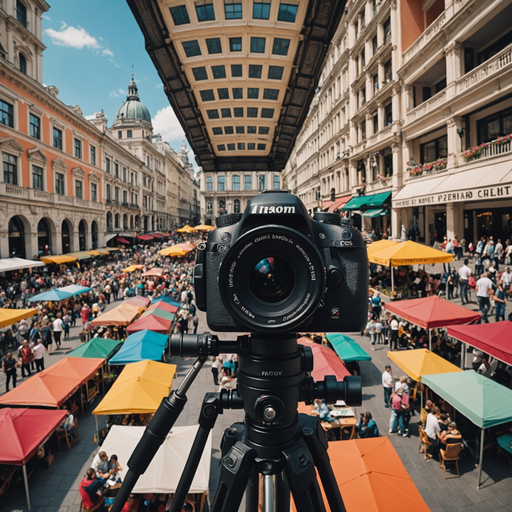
x,y
275,269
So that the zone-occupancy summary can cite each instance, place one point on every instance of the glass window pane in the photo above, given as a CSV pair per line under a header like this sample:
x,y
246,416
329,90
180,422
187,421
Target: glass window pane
x,y
241,146
251,145
220,147
253,93
235,44
261,10
429,152
228,130
205,12
263,130
443,147
248,180
217,131
240,130
257,44
261,147
252,112
270,94
179,15
255,71
267,113
251,129
191,48
6,114
226,112
239,112
207,95
212,114
214,45
219,72
223,94
275,72
200,73
236,70
238,93
233,11
287,12
231,147
280,46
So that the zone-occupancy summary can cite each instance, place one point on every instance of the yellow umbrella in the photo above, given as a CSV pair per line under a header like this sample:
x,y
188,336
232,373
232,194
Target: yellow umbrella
x,y
94,253
175,250
185,229
139,389
381,244
408,253
133,268
11,316
58,259
204,227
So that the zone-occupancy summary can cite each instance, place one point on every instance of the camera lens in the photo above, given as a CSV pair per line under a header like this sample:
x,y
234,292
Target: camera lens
x,y
271,279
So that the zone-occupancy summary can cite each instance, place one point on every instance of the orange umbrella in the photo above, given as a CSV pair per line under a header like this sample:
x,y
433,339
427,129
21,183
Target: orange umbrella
x,y
122,315
326,361
204,227
371,477
185,229
175,250
186,245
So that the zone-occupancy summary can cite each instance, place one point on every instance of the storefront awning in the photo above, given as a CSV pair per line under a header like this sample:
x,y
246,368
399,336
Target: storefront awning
x,y
369,202
339,203
488,182
375,213
326,204
123,240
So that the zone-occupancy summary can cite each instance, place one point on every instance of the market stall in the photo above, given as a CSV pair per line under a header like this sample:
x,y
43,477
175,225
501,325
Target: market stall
x,y
11,316
75,289
140,346
346,348
153,272
13,264
139,301
152,323
166,299
164,306
122,315
51,296
325,361
175,251
97,348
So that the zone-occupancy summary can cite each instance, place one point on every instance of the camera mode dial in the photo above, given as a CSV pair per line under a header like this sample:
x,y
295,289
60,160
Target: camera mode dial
x,y
328,218
348,223
228,220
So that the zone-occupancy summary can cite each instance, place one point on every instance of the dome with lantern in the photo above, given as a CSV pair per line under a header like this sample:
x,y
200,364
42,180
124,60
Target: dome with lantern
x,y
133,111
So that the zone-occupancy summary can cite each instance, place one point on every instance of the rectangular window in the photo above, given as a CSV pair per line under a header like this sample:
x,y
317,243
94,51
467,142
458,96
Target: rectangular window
x,y
109,195
93,155
251,129
191,48
129,134
275,72
180,15
375,122
223,93
261,179
117,194
232,9
287,12
209,183
494,126
145,201
37,178
94,192
261,147
241,146
207,95
240,130
228,130
363,130
221,147
255,71
125,196
226,112
253,93
238,93
6,114
35,127
270,94
247,181
217,131
10,169
212,114
214,45
236,182
209,207
78,148
235,44
252,112
251,145
257,44
219,72
107,165
124,174
238,111
267,113
21,13
388,71
116,170
280,46
263,130
59,183
79,192
374,45
434,150
388,114
387,30
200,73
261,10
205,11
231,147
119,134
236,70
221,181
276,182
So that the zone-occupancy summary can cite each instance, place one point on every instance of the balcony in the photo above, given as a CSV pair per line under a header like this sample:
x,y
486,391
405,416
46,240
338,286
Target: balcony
x,y
498,147
63,199
13,191
416,170
133,206
426,107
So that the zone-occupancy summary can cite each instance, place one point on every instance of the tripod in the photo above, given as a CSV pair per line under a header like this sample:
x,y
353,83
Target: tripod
x,y
285,448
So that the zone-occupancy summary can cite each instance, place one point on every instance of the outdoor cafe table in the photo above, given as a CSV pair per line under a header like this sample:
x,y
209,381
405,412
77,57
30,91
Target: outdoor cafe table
x,y
340,422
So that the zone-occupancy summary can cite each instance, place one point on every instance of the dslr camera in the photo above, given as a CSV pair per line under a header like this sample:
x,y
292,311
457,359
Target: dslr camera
x,y
275,269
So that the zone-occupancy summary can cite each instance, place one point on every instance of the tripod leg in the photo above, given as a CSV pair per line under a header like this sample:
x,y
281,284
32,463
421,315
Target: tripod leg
x,y
209,412
252,492
236,467
282,492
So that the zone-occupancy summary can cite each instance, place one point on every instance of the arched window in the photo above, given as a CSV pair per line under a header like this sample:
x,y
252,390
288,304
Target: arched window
x,y
81,236
43,237
94,234
116,223
237,205
65,237
125,221
109,221
23,63
16,238
131,221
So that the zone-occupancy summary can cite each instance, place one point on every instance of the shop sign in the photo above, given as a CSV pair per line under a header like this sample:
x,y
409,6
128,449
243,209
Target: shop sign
x,y
477,194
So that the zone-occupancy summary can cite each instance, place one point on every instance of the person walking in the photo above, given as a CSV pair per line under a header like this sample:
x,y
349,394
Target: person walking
x,y
464,274
393,341
377,328
376,305
107,292
500,301
27,358
66,323
506,279
57,330
387,384
9,365
483,291
452,282
39,352
216,366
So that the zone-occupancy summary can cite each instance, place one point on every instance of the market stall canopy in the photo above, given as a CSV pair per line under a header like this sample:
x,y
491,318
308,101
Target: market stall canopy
x,y
123,240
145,238
347,349
375,213
94,252
185,229
166,299
64,258
106,250
494,339
379,245
153,272
122,315
53,296
53,386
204,227
164,472
96,348
417,363
157,235
325,361
372,478
339,203
485,402
81,255
133,268
24,431
140,346
75,289
408,253
432,312
186,245
175,250
139,301
11,316
369,202
139,389
164,306
167,315
10,264
151,323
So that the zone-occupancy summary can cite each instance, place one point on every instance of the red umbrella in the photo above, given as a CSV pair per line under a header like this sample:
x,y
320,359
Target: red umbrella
x,y
153,272
326,361
163,306
151,323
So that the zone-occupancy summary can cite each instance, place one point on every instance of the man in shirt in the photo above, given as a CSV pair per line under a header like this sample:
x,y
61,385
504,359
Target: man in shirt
x,y
464,274
9,365
387,384
431,429
376,305
393,333
506,277
484,288
39,352
101,465
57,329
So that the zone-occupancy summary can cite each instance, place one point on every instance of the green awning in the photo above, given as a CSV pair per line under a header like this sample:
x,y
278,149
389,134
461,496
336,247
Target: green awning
x,y
81,255
370,202
374,213
485,402
96,348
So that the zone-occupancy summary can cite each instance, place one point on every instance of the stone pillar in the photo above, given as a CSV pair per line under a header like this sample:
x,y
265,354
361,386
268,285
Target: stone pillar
x,y
380,111
369,125
396,223
352,175
380,35
368,87
454,61
75,241
454,142
396,104
57,241
397,177
381,74
4,244
454,220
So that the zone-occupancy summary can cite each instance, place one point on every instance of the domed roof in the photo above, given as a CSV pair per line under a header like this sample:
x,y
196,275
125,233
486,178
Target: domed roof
x,y
133,108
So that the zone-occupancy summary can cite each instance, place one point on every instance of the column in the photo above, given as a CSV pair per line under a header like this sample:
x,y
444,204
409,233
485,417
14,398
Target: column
x,y
396,223
397,178
75,241
380,112
454,220
352,175
369,125
405,159
368,87
380,35
4,245
57,240
396,104
454,60
381,74
454,141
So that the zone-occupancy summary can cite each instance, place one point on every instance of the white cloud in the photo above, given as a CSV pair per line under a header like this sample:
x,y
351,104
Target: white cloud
x,y
113,94
46,17
122,91
108,53
159,85
72,37
167,125
91,117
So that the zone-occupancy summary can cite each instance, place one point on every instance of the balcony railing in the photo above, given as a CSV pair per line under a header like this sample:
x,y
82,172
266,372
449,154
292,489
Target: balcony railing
x,y
500,146
426,107
416,170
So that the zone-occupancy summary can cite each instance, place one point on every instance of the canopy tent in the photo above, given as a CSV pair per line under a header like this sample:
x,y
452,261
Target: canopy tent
x,y
347,349
122,240
175,251
80,255
164,306
64,258
493,339
432,312
107,250
325,361
166,299
120,316
75,289
139,389
94,252
151,323
408,253
139,301
204,227
23,432
153,272
133,268
53,386
164,472
11,316
51,296
10,264
485,402
185,229
338,203
140,346
369,202
157,235
96,348
372,214
167,315
372,478
145,238
186,245
379,245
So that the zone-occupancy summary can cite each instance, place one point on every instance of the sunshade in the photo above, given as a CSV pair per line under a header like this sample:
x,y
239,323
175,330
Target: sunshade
x,y
325,361
75,289
432,312
485,402
409,253
167,300
185,229
24,431
153,272
493,339
123,240
372,478
157,235
139,389
204,227
164,472
122,315
64,258
106,250
186,245
9,264
347,349
368,202
96,348
379,245
80,255
53,386
167,315
375,213
151,323
94,252
11,316
141,345
164,306
145,237
175,250
417,363
53,295
339,203
133,268
139,301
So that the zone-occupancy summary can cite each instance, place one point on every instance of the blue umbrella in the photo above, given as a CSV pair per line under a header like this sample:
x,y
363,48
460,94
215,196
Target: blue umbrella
x,y
140,346
75,289
169,300
52,295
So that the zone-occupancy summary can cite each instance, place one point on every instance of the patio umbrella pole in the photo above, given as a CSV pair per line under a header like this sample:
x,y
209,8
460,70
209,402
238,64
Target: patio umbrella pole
x,y
463,356
97,430
480,462
430,339
25,479
392,280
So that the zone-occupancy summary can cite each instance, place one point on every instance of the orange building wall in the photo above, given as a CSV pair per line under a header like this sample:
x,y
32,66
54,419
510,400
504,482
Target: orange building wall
x,y
435,11
411,22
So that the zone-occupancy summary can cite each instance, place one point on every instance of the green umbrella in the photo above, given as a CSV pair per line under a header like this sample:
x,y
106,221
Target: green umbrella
x,y
160,313
96,348
347,349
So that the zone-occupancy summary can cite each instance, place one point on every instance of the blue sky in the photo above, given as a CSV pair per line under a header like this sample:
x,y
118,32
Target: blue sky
x,y
91,47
